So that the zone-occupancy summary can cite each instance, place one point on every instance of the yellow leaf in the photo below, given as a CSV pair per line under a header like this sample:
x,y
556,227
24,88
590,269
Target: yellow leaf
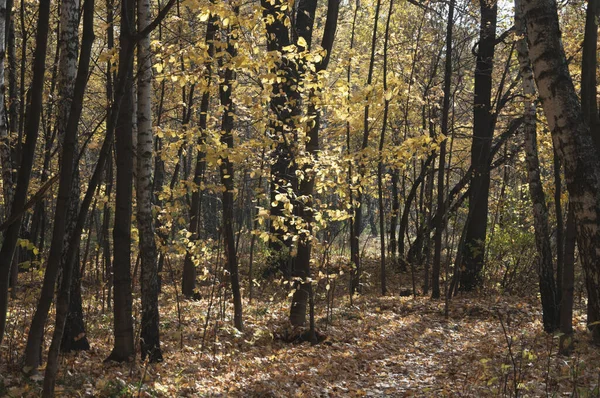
x,y
302,42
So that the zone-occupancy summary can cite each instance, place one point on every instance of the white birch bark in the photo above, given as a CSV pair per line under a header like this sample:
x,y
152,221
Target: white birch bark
x,y
571,137
149,272
538,199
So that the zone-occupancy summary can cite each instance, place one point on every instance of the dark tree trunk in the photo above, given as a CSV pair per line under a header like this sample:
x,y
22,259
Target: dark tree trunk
x,y
560,228
189,268
441,194
123,348
358,202
74,336
69,162
380,166
354,239
394,218
284,105
589,104
227,174
28,151
588,71
483,131
303,288
408,201
568,286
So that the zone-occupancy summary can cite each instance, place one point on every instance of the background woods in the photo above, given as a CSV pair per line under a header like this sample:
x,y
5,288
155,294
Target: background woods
x,y
192,188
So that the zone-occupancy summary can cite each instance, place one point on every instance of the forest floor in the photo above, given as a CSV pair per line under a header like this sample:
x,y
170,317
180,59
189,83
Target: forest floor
x,y
377,346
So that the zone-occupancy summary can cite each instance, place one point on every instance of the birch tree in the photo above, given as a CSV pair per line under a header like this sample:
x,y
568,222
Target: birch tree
x,y
149,337
538,198
571,138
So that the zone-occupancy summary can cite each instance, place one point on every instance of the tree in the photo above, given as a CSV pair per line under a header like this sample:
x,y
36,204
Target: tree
x,y
68,164
386,109
149,335
303,287
548,290
27,156
67,204
123,320
589,103
284,106
570,135
483,132
189,268
226,167
441,195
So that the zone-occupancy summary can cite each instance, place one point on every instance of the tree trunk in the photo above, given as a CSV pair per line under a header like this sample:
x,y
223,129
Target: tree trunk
x,y
188,285
483,131
303,288
354,240
441,195
28,151
560,228
568,286
589,95
227,172
550,305
571,137
5,142
74,336
588,71
358,202
380,166
123,348
284,104
69,162
66,210
149,335
393,245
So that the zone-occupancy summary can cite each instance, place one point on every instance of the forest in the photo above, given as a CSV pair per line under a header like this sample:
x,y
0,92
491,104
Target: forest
x,y
299,198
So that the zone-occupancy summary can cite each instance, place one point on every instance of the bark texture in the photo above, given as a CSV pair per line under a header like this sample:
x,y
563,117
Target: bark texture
x,y
548,292
570,135
483,131
149,335
27,156
123,348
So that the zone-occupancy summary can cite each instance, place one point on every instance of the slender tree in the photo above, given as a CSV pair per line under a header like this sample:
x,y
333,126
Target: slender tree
x,y
548,291
441,195
568,285
228,79
303,288
149,335
69,162
358,201
380,166
123,348
483,131
189,268
74,336
11,234
589,103
67,204
5,144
